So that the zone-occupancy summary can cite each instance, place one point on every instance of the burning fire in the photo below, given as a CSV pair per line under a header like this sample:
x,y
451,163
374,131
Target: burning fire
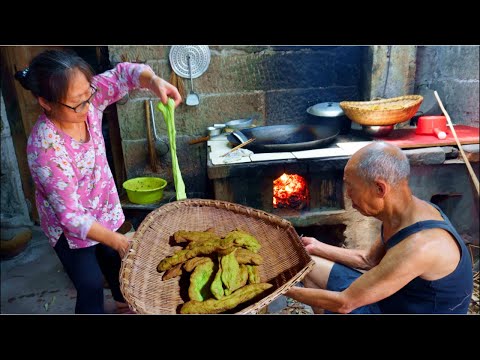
x,y
290,191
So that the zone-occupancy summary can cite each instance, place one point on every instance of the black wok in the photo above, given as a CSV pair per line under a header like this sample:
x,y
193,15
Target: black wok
x,y
277,138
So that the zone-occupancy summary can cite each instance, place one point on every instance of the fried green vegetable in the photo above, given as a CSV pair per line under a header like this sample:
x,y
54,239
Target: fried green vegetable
x,y
190,265
173,272
201,280
226,251
243,239
253,274
203,248
217,285
215,306
243,275
183,236
231,276
245,256
242,280
214,241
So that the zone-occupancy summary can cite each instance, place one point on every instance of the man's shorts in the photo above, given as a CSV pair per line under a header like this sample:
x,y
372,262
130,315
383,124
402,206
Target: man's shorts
x,y
340,278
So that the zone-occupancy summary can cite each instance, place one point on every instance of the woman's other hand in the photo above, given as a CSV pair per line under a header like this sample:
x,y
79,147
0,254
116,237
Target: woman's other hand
x,y
122,244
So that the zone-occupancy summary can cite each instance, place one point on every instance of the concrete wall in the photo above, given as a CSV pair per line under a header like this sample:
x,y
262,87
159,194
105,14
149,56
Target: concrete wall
x,y
274,84
453,71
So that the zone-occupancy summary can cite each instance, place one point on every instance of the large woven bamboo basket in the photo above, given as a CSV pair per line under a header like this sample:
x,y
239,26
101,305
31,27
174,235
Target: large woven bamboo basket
x,y
382,112
285,260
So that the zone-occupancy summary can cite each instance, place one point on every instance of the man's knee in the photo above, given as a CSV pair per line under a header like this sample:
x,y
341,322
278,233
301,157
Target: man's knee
x,y
318,277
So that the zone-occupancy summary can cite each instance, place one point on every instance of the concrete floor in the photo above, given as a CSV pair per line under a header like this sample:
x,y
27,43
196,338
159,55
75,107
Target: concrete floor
x,y
34,282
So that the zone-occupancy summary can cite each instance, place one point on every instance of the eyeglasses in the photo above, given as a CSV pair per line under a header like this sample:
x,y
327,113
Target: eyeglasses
x,y
80,107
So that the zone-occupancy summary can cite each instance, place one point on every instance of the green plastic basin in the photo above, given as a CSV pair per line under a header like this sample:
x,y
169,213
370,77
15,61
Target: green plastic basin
x,y
145,190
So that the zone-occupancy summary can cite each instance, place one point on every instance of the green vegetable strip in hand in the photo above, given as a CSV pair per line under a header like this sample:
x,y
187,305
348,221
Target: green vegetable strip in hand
x,y
168,115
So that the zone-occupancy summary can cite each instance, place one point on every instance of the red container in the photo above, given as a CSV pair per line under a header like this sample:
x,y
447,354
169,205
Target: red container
x,y
432,125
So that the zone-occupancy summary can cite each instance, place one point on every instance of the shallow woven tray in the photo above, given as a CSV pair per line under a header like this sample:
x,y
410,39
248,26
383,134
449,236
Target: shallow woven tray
x,y
382,112
285,260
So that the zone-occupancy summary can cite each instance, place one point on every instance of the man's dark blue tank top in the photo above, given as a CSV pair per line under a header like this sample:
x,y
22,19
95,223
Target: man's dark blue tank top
x,y
448,295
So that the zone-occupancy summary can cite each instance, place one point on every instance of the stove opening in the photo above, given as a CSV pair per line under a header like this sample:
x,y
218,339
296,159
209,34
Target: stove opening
x,y
290,192
330,234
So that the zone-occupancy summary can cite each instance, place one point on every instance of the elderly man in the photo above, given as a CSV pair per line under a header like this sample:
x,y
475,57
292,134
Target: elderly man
x,y
418,264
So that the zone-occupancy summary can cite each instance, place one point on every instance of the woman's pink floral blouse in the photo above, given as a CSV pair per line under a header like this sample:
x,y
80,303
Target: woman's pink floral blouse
x,y
73,182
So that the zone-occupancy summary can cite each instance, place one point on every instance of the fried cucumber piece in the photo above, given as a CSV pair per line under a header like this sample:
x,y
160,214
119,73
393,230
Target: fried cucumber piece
x,y
226,251
201,280
243,275
253,274
223,243
203,248
243,278
214,306
173,272
190,265
245,256
231,276
217,285
243,239
183,236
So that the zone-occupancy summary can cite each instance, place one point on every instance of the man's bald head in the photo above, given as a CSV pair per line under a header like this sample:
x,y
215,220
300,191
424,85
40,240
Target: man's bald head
x,y
380,160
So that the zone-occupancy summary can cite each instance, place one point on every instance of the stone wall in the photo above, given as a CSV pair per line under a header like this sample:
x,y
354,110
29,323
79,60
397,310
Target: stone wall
x,y
453,71
14,211
273,84
389,71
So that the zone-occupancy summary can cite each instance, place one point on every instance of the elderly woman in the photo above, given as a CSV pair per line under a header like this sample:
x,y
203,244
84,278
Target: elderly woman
x,y
76,196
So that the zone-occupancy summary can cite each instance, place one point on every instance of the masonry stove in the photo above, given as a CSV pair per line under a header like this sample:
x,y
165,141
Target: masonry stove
x,y
309,192
305,192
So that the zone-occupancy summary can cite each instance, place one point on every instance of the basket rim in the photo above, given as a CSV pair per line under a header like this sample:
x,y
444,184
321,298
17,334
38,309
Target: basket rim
x,y
360,105
128,259
254,308
219,204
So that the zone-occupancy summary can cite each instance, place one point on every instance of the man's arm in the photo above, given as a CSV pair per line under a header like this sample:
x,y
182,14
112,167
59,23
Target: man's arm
x,y
355,258
398,267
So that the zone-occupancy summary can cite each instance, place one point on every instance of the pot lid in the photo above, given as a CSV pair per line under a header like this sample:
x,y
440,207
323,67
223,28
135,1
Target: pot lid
x,y
327,109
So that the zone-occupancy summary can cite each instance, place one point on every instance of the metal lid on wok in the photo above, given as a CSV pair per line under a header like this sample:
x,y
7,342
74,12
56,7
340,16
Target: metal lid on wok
x,y
326,109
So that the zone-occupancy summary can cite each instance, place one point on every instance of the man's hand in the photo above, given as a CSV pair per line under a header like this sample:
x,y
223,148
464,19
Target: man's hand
x,y
311,244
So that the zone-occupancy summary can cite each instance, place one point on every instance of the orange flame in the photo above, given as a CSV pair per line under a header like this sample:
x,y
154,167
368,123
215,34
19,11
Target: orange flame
x,y
290,191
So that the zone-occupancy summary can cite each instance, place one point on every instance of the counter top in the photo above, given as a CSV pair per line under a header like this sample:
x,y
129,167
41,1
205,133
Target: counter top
x,y
333,157
344,146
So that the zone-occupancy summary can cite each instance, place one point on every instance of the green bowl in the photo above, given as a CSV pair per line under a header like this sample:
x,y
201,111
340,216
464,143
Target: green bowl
x,y
145,190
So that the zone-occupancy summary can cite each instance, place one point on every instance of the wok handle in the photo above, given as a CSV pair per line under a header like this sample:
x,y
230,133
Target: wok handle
x,y
199,140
